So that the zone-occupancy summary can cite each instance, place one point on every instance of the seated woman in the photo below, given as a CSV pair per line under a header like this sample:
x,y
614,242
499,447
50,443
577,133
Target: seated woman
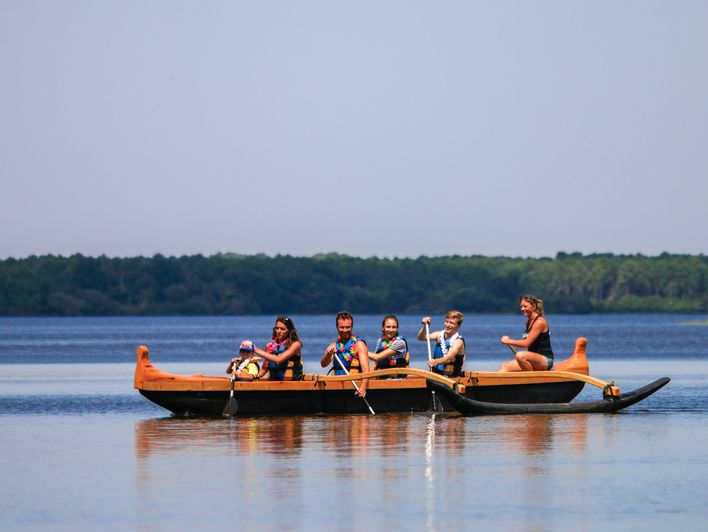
x,y
283,354
391,349
536,341
245,366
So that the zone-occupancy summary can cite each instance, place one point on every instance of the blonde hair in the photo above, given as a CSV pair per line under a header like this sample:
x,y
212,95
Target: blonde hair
x,y
535,301
455,315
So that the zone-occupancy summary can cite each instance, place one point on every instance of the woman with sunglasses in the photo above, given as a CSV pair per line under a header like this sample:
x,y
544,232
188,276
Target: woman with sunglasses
x,y
283,354
536,353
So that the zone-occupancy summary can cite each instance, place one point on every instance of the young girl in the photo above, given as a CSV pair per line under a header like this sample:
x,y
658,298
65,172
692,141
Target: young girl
x,y
245,366
283,354
391,349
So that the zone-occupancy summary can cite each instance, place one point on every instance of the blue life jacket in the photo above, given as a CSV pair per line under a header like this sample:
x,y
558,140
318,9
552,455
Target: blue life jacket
x,y
347,355
290,369
451,369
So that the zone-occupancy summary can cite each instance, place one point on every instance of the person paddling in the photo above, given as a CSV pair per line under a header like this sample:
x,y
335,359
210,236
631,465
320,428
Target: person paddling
x,y
349,353
245,366
536,341
449,355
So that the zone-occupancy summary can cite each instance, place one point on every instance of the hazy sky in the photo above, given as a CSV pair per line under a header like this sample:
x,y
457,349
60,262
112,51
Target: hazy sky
x,y
387,128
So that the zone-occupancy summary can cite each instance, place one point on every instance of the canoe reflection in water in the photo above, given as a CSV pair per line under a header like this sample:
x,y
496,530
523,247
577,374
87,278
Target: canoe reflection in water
x,y
299,459
384,435
281,436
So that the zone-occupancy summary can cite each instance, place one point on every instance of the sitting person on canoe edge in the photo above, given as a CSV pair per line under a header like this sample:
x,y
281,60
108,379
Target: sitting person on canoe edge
x,y
244,367
391,349
536,341
349,354
449,355
283,354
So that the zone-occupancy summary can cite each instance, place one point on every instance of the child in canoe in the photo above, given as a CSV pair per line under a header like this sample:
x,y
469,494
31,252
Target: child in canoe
x,y
449,355
245,365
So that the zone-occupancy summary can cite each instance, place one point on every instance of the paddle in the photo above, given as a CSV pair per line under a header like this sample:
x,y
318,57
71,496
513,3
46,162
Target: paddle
x,y
427,336
430,357
341,364
229,408
511,347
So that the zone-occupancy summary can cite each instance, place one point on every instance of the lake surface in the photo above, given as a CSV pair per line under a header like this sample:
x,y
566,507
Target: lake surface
x,y
81,449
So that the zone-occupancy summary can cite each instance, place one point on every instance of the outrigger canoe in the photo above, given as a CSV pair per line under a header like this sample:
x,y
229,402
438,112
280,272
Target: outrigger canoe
x,y
389,390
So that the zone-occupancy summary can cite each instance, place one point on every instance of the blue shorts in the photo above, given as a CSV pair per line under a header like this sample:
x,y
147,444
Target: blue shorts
x,y
549,363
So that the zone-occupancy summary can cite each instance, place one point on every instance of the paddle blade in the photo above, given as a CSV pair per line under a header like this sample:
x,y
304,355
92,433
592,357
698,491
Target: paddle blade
x,y
230,409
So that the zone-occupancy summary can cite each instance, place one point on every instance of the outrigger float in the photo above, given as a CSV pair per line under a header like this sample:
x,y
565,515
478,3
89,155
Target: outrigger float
x,y
389,390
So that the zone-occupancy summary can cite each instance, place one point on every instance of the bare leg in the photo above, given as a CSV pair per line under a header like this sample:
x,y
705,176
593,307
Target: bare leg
x,y
511,365
530,361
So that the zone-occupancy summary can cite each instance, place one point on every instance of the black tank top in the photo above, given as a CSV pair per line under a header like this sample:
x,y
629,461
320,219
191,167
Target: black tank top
x,y
542,343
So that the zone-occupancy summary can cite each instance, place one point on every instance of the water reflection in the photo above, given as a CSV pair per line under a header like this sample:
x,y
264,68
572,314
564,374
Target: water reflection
x,y
279,435
537,435
390,457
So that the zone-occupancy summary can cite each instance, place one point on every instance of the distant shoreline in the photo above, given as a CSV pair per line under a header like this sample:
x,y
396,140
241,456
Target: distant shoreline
x,y
230,284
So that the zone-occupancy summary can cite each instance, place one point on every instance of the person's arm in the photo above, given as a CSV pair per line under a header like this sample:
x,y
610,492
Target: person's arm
x,y
398,346
244,375
421,333
382,355
230,367
263,371
282,357
454,350
363,353
536,329
327,357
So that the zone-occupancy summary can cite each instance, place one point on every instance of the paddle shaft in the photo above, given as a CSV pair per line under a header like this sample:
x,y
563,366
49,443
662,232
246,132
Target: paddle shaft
x,y
341,364
512,348
430,357
427,336
229,409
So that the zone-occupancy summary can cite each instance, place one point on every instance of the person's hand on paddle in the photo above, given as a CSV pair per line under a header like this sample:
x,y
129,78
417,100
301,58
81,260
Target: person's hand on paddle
x,y
328,355
427,320
505,339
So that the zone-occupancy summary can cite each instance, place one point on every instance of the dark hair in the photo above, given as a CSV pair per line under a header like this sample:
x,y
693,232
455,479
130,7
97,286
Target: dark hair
x,y
389,317
292,335
344,315
536,302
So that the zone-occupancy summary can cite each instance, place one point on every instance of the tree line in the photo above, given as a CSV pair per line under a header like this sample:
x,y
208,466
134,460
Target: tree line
x,y
230,284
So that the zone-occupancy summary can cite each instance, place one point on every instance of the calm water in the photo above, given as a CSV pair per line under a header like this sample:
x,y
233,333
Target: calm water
x,y
81,449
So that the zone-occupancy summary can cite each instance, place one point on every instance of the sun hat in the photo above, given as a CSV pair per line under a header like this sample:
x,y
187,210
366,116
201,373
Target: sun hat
x,y
246,345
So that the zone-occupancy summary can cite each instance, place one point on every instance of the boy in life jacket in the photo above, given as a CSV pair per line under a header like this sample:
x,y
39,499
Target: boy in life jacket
x,y
349,353
449,355
245,365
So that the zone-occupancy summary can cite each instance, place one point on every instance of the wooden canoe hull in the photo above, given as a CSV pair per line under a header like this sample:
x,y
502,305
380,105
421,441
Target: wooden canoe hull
x,y
294,402
208,395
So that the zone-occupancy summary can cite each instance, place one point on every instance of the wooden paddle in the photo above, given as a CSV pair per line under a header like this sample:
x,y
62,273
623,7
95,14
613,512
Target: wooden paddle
x,y
229,408
341,364
427,336
430,357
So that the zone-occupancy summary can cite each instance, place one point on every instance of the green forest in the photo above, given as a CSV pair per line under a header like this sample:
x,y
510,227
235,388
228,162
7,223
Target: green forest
x,y
230,284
